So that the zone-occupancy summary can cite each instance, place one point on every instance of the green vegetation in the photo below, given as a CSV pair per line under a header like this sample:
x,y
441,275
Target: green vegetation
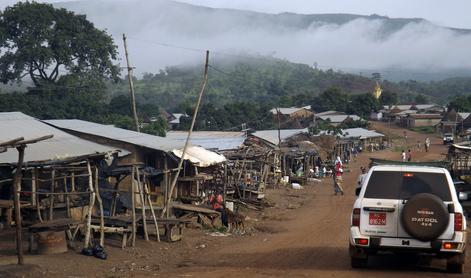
x,y
70,63
53,47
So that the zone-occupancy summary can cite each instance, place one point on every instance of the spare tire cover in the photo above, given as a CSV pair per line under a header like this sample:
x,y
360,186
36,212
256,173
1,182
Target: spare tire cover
x,y
425,217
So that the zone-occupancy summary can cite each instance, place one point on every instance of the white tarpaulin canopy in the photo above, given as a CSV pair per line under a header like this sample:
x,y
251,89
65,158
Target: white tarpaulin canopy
x,y
200,157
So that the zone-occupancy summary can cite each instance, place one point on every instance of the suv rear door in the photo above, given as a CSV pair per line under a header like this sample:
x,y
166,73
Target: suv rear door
x,y
379,214
424,182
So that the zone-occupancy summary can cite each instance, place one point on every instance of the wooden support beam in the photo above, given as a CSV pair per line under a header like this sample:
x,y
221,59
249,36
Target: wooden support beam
x,y
90,207
143,204
16,190
133,207
100,205
51,198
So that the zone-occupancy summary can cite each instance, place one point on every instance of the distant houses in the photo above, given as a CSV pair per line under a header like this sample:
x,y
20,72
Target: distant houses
x,y
338,119
292,117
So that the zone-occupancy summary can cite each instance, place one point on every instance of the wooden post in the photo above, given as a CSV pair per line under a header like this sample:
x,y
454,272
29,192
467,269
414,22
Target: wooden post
x,y
51,199
38,207
195,114
67,200
33,188
146,188
143,204
131,86
100,205
91,205
16,190
197,183
72,182
166,185
133,208
225,182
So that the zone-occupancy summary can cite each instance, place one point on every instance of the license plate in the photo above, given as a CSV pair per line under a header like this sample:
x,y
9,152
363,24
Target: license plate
x,y
377,218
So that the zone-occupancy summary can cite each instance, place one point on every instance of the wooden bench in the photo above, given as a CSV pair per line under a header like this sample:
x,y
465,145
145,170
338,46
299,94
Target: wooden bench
x,y
121,225
173,228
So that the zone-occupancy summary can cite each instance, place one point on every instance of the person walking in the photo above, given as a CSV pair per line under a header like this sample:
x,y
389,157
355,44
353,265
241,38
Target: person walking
x,y
403,155
419,147
427,144
360,180
338,176
409,156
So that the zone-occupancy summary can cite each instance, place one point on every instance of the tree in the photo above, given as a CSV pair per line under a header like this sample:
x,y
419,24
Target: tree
x,y
42,42
420,99
389,98
158,127
362,105
331,99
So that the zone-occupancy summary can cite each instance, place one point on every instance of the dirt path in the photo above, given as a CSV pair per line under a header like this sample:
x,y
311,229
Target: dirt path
x,y
308,240
313,243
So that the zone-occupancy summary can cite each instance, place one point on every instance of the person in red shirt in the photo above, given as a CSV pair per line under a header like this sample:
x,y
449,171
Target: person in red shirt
x,y
217,203
338,176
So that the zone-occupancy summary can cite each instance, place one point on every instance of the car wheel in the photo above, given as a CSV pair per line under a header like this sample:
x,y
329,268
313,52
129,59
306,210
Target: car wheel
x,y
359,262
455,267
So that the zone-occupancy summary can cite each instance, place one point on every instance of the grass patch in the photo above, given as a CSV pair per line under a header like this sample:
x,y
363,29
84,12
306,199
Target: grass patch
x,y
424,129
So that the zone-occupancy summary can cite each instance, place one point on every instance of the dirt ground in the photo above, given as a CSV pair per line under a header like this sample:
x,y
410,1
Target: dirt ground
x,y
304,235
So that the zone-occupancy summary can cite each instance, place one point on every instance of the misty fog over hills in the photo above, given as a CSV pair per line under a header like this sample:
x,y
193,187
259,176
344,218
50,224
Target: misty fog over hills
x,y
165,33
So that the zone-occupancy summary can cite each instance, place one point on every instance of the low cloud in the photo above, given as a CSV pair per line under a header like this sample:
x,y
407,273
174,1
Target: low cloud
x,y
360,44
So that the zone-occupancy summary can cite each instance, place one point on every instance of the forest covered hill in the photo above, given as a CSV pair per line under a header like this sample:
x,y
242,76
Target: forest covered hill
x,y
165,33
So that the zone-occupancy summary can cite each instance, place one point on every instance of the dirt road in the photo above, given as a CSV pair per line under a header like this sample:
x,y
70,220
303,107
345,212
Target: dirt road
x,y
312,241
305,235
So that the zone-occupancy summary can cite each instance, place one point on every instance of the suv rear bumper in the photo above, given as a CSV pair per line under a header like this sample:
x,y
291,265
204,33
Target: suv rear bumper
x,y
457,243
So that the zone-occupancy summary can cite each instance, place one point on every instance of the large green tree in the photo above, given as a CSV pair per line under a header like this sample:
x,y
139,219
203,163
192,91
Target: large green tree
x,y
50,45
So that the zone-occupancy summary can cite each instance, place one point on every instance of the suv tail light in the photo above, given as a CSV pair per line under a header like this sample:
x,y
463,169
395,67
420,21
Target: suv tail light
x,y
458,222
356,217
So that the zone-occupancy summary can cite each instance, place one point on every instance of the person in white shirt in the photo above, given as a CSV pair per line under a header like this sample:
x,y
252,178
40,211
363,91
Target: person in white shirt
x,y
360,180
403,155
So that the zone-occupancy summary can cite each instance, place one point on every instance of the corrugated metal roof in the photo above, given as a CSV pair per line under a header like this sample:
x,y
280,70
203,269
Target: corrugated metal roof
x,y
287,110
118,134
272,135
339,118
62,146
360,133
464,115
177,118
357,132
329,112
213,140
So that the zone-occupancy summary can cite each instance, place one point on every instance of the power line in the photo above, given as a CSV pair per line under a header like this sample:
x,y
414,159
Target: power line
x,y
258,57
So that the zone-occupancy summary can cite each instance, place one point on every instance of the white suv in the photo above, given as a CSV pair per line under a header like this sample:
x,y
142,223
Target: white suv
x,y
408,209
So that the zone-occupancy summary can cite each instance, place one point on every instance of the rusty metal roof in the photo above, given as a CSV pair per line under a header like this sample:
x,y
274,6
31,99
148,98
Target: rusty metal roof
x,y
62,146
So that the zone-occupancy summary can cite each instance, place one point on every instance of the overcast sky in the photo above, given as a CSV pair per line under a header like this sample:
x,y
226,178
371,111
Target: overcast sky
x,y
161,33
453,13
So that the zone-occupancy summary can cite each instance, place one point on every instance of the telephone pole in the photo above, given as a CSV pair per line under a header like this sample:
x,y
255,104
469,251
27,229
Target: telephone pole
x,y
193,119
131,85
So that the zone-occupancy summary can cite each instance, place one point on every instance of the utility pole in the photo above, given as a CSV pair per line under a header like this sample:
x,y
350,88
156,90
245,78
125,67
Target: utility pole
x,y
279,127
131,85
182,158
279,137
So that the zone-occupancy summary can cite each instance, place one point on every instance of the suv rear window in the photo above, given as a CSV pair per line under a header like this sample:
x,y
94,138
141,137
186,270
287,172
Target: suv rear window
x,y
404,185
